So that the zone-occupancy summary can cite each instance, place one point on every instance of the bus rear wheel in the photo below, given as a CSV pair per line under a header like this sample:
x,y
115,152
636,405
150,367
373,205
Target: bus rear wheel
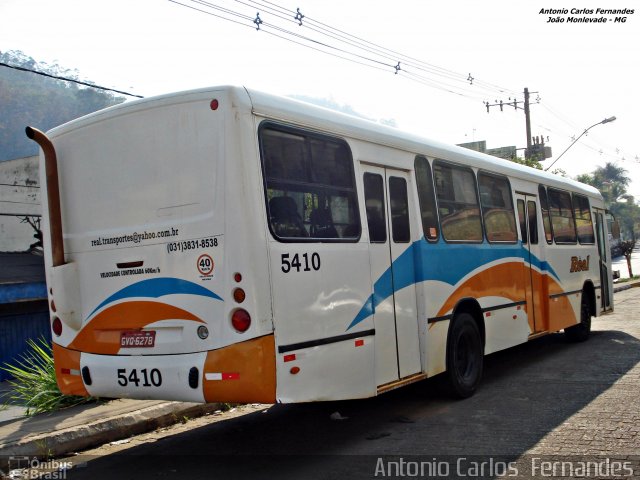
x,y
580,332
464,356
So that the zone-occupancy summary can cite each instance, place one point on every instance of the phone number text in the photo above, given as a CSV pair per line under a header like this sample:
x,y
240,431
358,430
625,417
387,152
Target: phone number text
x,y
188,245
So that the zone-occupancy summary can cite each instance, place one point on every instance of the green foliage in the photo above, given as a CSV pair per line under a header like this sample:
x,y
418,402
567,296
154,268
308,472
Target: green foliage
x,y
612,181
41,102
34,382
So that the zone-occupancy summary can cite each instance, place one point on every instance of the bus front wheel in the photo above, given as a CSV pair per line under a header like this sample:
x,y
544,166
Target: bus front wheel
x,y
464,356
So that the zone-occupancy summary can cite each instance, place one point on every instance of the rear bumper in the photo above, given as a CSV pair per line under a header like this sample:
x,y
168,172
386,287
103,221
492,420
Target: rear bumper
x,y
243,372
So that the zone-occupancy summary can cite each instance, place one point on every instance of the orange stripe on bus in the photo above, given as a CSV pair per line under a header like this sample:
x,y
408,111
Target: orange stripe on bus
x,y
505,280
102,334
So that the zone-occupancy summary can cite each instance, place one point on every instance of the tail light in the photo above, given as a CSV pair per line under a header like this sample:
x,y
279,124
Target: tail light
x,y
56,326
239,295
241,320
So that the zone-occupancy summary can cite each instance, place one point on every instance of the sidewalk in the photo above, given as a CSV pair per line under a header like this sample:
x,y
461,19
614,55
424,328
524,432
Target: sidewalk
x,y
86,426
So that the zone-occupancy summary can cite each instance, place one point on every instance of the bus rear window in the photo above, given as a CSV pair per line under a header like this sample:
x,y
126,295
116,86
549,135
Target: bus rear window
x,y
310,185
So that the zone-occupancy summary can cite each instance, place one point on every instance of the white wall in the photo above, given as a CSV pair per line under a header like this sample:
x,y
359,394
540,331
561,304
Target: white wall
x,y
19,196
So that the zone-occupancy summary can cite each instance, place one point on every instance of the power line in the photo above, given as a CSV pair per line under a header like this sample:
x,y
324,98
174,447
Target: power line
x,y
357,50
391,54
353,42
73,80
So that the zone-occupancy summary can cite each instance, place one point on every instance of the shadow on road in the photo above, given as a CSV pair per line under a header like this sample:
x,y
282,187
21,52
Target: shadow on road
x,y
527,392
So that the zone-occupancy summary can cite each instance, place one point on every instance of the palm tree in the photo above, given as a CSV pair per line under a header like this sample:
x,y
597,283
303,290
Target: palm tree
x,y
612,173
611,180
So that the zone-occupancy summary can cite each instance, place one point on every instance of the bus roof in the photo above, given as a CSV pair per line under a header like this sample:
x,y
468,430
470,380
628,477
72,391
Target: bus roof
x,y
287,109
312,116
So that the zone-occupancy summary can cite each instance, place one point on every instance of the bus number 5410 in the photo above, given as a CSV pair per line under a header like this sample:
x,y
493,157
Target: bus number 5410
x,y
146,378
305,262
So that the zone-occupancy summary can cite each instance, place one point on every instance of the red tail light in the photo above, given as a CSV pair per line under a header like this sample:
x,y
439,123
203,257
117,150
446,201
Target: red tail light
x,y
241,320
56,326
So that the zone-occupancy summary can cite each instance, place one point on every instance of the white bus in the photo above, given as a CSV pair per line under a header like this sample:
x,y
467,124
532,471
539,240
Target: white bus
x,y
228,245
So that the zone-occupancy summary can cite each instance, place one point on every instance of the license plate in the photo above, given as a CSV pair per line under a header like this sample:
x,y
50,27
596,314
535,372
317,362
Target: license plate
x,y
138,339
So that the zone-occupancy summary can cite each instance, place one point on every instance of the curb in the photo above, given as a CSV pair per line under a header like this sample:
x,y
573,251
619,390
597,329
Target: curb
x,y
626,286
51,444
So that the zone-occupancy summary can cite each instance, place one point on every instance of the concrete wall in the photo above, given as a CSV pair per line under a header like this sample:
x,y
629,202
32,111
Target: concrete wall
x,y
19,197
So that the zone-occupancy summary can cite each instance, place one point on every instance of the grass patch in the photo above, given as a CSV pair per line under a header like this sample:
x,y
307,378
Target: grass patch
x,y
34,384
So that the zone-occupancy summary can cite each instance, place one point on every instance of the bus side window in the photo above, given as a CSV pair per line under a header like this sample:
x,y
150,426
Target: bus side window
x,y
374,202
562,220
583,219
546,220
523,221
458,206
426,197
497,208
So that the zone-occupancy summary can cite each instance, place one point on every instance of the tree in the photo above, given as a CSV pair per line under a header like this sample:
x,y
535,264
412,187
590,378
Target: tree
x,y
612,181
42,102
627,249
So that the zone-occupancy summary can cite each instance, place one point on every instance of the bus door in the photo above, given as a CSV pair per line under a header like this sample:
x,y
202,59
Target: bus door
x,y
601,233
533,276
388,206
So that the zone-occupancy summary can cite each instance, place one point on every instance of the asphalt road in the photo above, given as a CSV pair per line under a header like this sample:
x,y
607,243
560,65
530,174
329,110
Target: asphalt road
x,y
542,402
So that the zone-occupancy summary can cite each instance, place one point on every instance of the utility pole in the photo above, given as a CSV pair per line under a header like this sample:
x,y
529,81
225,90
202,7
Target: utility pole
x,y
528,153
527,115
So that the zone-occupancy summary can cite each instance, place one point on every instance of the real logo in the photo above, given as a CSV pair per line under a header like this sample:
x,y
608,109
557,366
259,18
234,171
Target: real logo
x,y
578,264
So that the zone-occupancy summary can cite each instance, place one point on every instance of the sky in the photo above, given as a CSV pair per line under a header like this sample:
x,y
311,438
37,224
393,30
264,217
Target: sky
x,y
579,73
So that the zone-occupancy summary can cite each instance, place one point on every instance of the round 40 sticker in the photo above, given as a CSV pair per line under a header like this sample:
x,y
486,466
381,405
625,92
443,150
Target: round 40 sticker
x,y
205,265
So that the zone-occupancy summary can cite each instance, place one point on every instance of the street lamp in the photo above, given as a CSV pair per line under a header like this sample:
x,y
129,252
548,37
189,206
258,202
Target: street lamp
x,y
606,120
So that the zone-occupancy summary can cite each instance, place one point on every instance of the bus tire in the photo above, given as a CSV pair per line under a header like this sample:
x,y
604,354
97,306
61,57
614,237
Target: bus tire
x,y
580,332
465,354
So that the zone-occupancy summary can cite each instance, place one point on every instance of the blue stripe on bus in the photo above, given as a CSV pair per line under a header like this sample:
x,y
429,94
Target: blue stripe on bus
x,y
158,287
453,263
